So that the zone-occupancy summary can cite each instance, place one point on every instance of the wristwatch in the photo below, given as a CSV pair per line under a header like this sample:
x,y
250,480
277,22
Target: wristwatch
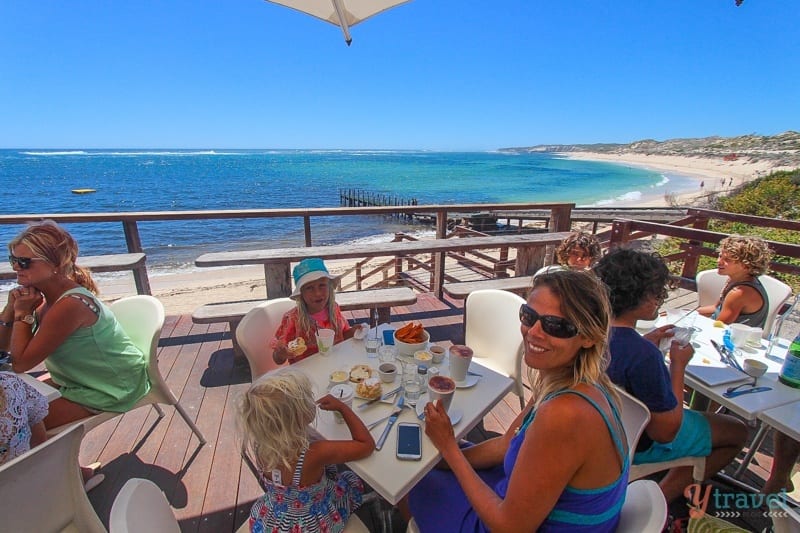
x,y
28,319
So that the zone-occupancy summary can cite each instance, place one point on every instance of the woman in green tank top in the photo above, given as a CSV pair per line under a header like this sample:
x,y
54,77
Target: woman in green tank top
x,y
54,317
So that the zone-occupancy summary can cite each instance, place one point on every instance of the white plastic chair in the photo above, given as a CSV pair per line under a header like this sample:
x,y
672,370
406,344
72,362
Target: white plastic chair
x,y
141,506
644,510
710,284
492,331
635,417
142,318
785,519
778,293
255,331
42,490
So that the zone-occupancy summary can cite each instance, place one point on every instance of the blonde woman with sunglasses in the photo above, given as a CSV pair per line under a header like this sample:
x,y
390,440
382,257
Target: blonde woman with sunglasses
x,y
55,317
543,474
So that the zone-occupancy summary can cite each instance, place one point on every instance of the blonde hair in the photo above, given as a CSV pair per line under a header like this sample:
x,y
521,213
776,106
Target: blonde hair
x,y
584,302
752,251
273,417
304,322
49,241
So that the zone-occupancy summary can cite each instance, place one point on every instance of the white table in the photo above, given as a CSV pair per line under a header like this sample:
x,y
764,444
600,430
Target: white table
x,y
51,393
389,476
785,419
706,358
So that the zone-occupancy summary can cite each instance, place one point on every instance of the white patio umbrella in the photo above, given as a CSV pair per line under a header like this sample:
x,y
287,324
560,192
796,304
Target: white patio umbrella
x,y
342,13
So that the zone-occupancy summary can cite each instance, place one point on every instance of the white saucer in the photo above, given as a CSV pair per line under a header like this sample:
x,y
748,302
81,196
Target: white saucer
x,y
470,381
454,413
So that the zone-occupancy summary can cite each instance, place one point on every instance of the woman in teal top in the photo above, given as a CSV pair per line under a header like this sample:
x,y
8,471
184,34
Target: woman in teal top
x,y
563,463
55,318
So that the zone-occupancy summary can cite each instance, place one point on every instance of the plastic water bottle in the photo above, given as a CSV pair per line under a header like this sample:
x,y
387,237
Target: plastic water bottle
x,y
790,371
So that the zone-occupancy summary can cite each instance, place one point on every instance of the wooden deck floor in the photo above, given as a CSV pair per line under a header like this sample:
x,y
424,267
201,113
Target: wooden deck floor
x,y
209,487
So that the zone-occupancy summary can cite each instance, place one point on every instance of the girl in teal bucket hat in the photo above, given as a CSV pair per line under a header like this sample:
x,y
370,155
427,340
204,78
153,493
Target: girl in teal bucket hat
x,y
314,293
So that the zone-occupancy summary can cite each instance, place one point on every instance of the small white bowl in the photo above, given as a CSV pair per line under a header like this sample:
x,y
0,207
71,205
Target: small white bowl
x,y
754,368
423,357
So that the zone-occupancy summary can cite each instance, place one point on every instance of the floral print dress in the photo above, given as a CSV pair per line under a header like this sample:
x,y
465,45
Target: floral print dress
x,y
324,506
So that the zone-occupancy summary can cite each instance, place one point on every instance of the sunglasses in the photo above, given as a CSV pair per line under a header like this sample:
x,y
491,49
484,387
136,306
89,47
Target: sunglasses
x,y
23,263
555,326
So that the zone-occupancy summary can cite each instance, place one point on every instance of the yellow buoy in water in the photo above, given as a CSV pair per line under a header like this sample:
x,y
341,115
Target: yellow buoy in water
x,y
83,191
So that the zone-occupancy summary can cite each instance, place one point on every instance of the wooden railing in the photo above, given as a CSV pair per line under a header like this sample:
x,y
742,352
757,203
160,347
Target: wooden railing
x,y
699,241
558,220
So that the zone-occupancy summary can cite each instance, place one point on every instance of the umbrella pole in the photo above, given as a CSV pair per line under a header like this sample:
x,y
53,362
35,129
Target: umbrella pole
x,y
337,5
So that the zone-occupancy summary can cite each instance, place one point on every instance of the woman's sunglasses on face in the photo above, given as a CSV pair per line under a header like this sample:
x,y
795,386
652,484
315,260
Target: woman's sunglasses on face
x,y
555,326
24,263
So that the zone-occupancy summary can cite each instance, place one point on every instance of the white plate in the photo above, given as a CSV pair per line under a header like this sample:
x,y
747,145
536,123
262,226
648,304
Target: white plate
x,y
470,381
454,413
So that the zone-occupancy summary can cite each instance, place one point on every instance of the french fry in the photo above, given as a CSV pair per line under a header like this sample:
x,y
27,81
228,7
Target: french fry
x,y
411,333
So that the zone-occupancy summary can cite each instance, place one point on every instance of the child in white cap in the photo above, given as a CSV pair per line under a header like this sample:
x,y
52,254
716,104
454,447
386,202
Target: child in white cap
x,y
314,292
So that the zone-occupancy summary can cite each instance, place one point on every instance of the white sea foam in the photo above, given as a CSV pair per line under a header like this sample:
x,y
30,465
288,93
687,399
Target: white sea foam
x,y
631,196
664,180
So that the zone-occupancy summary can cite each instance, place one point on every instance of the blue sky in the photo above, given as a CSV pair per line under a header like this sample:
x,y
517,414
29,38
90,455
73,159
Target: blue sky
x,y
430,74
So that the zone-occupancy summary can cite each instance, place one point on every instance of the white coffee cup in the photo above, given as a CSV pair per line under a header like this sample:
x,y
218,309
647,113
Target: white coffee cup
x,y
345,394
739,334
442,388
460,358
325,340
754,337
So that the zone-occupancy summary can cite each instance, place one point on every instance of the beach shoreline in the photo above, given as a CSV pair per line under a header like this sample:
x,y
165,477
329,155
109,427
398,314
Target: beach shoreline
x,y
713,176
184,291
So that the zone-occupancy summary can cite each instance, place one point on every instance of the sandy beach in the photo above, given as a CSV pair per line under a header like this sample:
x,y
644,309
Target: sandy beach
x,y
182,293
715,175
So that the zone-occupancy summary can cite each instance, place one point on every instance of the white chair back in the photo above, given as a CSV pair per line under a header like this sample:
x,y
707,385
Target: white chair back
x,y
635,417
709,286
255,331
141,506
142,318
644,510
778,293
785,519
42,490
492,331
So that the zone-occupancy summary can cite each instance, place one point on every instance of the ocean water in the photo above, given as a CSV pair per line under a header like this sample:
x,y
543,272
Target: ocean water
x,y
41,181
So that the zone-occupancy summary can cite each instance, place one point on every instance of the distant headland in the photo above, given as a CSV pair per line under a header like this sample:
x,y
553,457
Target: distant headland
x,y
782,150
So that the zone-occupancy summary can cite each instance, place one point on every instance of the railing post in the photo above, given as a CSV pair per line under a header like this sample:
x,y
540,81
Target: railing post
x,y
620,233
692,259
134,243
307,229
438,259
561,218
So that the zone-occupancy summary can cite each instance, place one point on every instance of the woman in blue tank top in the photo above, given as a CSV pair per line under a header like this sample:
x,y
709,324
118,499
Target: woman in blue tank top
x,y
563,464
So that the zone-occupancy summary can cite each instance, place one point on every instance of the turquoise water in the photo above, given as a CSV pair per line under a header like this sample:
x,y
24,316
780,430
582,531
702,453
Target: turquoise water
x,y
40,181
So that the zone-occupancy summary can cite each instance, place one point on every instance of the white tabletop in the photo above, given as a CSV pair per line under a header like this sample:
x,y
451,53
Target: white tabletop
x,y
389,476
785,419
706,359
51,393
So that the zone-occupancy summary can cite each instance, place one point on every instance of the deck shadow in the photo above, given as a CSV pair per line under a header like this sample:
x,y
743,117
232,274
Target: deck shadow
x,y
224,370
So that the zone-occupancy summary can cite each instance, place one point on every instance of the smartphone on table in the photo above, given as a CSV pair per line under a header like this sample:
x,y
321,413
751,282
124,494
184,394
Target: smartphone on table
x,y
409,441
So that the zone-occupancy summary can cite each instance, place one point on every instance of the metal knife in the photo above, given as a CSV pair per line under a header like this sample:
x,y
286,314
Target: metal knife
x,y
379,398
735,393
725,357
390,423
